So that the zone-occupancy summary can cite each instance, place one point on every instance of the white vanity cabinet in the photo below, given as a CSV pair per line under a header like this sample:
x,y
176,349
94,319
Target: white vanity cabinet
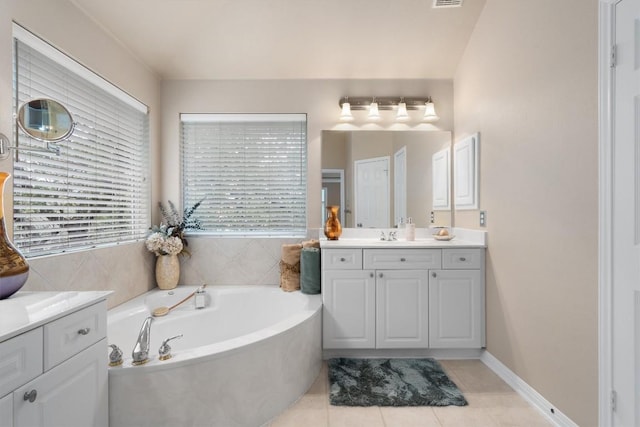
x,y
403,298
456,301
57,372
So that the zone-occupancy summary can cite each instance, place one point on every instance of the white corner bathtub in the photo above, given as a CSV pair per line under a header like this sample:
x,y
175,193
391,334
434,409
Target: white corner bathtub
x,y
241,361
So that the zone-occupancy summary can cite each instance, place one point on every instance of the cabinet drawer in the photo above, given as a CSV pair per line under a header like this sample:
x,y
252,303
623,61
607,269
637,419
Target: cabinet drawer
x,y
415,259
20,360
342,259
462,259
73,333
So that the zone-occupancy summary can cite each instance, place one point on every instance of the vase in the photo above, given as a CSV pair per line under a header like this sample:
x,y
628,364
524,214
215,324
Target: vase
x,y
167,271
332,228
14,269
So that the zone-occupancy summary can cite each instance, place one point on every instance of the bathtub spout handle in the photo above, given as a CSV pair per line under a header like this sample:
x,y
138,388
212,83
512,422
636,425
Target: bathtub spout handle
x,y
115,357
140,353
165,349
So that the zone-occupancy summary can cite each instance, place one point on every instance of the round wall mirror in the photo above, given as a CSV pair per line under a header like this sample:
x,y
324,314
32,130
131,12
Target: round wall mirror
x,y
45,120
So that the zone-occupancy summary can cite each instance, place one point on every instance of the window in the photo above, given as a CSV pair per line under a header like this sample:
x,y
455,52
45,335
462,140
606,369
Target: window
x,y
96,191
250,170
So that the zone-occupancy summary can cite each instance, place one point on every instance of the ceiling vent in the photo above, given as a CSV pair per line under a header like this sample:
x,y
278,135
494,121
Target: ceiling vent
x,y
437,4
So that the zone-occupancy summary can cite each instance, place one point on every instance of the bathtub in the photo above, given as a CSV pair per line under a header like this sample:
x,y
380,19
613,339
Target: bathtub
x,y
241,361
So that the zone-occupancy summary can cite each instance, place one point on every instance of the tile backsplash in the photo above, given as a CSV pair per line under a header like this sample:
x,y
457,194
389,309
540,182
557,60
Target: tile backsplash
x,y
129,269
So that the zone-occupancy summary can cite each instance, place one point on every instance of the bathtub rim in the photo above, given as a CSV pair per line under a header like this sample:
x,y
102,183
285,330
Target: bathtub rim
x,y
220,349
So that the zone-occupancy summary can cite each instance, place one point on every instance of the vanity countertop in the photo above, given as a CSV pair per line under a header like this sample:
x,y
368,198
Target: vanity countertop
x,y
370,238
24,311
400,243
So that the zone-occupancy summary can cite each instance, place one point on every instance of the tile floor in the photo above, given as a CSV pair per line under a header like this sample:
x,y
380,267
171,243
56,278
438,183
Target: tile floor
x,y
492,403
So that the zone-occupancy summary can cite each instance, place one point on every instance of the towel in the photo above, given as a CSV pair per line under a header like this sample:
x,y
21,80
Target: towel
x,y
290,267
311,244
310,270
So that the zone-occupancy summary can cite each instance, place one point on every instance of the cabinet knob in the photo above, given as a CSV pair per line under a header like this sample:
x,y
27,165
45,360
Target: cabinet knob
x,y
380,275
403,259
462,258
84,331
434,274
30,396
342,260
371,274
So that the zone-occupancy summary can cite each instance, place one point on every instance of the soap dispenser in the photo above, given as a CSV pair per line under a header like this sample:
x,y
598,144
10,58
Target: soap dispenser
x,y
410,230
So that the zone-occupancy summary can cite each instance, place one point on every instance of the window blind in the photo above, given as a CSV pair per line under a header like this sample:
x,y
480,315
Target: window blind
x,y
249,170
96,191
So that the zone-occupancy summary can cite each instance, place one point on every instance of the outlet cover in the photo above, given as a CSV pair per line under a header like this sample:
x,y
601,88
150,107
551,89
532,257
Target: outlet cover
x,y
483,218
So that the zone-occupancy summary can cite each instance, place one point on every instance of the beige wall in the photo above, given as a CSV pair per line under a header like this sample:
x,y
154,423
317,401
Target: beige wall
x,y
127,269
528,83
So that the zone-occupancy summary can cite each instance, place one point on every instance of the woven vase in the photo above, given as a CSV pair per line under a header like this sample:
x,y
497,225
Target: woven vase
x,y
14,269
167,271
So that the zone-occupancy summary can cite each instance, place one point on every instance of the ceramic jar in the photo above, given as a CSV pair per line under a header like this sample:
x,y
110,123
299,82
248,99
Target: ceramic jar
x,y
14,269
167,271
332,228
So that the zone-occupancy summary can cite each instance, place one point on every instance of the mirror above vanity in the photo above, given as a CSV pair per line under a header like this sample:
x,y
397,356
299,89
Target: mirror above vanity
x,y
380,177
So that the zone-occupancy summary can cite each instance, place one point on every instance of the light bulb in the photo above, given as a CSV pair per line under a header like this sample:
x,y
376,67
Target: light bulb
x,y
402,115
430,112
374,114
345,115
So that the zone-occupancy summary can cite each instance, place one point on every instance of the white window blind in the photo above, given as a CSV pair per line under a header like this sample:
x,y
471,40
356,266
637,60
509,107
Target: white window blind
x,y
250,170
96,191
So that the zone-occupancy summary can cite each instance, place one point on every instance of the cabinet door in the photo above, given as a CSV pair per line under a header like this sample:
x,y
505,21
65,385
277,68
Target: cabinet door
x,y
456,309
73,393
402,300
349,309
6,411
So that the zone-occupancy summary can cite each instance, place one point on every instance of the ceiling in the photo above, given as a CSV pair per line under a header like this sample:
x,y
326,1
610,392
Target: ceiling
x,y
290,39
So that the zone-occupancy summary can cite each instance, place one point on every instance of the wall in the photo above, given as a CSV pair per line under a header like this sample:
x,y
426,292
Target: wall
x,y
528,83
127,269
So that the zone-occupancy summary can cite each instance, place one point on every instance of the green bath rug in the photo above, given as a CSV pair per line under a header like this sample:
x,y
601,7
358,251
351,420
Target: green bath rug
x,y
391,382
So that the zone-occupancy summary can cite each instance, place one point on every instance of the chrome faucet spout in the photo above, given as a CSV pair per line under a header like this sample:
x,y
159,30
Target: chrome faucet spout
x,y
140,353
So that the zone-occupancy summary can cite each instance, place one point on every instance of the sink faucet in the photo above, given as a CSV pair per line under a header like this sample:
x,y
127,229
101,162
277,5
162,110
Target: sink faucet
x,y
141,350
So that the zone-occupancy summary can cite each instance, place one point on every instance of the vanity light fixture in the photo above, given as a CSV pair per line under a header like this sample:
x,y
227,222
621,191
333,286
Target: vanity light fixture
x,y
430,112
345,115
375,105
402,115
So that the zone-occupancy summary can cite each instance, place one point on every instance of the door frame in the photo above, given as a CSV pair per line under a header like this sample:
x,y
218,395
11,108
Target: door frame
x,y
605,210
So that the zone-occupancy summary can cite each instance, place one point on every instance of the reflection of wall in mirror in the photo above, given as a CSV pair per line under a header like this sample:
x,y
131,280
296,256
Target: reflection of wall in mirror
x,y
341,148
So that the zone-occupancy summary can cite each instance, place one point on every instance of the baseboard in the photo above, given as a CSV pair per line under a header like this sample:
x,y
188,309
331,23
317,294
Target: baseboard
x,y
527,392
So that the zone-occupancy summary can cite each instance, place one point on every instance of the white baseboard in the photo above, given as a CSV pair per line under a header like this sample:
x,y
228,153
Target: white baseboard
x,y
527,392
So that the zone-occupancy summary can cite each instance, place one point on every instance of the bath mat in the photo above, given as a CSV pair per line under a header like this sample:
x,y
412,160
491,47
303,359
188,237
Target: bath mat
x,y
391,382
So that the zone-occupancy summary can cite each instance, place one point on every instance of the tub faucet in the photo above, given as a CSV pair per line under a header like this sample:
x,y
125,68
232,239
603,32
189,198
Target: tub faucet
x,y
140,353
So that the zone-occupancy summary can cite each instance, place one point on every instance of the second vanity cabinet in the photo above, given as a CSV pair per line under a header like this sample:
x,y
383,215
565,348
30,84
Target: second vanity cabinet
x,y
402,298
56,374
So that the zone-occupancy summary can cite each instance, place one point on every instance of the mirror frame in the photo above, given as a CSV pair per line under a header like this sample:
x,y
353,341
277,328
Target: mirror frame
x,y
36,134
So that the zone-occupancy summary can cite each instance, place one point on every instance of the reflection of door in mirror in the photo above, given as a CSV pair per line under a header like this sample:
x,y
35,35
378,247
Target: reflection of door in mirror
x,y
400,186
372,192
332,192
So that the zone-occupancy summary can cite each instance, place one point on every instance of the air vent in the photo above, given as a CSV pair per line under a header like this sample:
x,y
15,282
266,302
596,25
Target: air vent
x,y
437,4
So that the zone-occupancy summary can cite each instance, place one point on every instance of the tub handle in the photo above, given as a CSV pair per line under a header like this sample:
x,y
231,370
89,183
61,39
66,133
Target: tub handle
x,y
164,352
115,357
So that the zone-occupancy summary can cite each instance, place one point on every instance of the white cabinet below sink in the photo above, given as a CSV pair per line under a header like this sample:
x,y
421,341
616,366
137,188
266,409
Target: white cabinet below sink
x,y
403,298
